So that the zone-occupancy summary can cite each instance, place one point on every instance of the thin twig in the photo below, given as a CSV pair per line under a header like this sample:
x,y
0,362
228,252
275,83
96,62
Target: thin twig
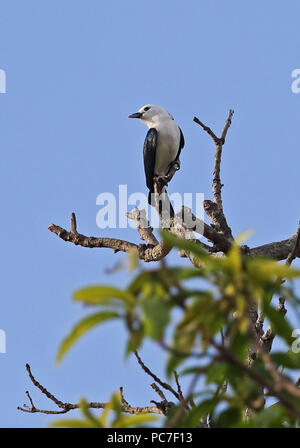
x,y
66,407
207,129
155,377
139,410
183,408
158,391
179,390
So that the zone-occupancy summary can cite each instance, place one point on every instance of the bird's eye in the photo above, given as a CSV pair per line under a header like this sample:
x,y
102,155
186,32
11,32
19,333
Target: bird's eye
x,y
146,108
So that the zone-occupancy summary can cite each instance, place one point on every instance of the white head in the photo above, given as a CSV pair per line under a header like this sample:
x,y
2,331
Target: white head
x,y
151,115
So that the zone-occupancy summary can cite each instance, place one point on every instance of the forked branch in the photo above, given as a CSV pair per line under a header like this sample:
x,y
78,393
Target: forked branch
x,y
161,407
215,209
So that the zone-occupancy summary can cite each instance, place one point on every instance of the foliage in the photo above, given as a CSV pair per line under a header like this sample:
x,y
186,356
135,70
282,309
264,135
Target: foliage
x,y
207,301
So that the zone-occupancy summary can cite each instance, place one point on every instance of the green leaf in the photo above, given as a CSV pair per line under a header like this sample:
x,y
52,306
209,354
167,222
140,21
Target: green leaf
x,y
240,344
230,418
183,342
208,315
182,274
81,328
242,237
195,369
156,316
265,269
202,410
272,417
134,341
181,243
71,423
103,295
235,258
137,284
134,421
288,360
114,405
278,322
216,373
90,418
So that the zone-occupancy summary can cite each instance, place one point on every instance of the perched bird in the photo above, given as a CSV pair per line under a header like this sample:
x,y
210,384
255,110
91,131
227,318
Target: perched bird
x,y
163,142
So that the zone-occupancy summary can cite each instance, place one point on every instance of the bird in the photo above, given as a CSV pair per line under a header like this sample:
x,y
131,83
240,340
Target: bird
x,y
163,143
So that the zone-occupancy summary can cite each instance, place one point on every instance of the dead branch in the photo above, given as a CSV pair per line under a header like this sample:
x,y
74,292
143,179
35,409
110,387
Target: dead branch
x,y
293,254
179,391
278,250
139,410
64,407
143,226
215,209
155,377
146,252
221,242
164,404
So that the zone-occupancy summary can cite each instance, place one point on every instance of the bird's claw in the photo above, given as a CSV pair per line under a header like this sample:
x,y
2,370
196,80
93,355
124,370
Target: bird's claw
x,y
174,165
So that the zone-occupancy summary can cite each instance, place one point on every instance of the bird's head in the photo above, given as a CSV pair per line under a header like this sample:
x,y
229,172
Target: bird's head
x,y
151,115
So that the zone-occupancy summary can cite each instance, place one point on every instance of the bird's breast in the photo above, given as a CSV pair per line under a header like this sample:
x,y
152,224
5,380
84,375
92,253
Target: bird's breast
x,y
167,147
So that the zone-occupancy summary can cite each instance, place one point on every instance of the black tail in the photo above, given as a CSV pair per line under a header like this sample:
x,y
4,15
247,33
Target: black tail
x,y
150,197
164,202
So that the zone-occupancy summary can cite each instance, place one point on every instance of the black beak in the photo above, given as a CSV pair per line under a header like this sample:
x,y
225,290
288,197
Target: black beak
x,y
136,115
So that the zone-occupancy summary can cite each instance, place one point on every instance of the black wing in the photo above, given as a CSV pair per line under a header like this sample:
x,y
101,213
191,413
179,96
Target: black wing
x,y
149,157
181,144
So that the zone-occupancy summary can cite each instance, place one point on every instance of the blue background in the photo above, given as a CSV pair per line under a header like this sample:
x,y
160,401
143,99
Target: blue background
x,y
75,70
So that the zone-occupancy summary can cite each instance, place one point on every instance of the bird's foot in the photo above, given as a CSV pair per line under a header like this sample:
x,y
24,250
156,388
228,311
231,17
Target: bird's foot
x,y
162,181
173,167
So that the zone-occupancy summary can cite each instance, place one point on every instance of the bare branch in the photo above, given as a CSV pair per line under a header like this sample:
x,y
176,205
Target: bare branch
x,y
139,410
149,252
143,226
215,209
164,404
155,377
66,407
178,387
183,408
145,252
293,254
158,391
268,337
74,223
44,391
207,129
221,242
278,250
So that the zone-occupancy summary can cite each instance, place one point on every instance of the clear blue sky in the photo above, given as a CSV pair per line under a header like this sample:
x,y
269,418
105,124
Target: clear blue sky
x,y
75,70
